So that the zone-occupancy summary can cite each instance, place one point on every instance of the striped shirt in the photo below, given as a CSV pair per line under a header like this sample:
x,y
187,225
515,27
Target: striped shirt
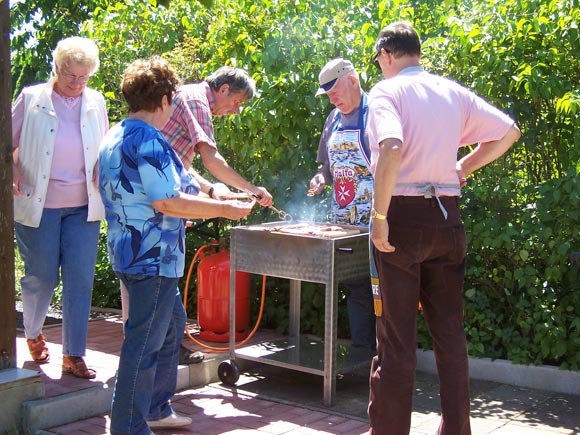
x,y
191,121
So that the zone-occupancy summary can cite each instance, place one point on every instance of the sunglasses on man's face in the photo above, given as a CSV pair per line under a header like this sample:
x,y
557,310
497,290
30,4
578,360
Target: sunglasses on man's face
x,y
380,45
375,61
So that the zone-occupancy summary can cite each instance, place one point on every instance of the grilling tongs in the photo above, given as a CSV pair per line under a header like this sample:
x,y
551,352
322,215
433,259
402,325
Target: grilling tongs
x,y
281,213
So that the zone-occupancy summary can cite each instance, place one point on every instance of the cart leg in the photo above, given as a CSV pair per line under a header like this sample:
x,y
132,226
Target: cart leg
x,y
228,370
330,324
233,263
294,315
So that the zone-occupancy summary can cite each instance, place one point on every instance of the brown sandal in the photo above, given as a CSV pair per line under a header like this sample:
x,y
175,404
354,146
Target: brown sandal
x,y
38,350
75,365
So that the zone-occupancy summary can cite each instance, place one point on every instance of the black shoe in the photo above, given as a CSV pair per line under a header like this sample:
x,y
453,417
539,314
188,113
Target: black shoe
x,y
187,356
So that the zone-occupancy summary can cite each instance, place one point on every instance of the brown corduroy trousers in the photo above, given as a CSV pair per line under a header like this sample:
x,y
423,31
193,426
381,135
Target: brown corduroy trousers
x,y
428,266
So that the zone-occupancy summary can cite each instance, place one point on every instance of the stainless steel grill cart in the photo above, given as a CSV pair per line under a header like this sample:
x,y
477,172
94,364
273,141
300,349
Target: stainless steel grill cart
x,y
328,259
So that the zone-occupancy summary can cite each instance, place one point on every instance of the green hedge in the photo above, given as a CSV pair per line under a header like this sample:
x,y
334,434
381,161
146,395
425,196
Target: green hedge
x,y
522,295
521,291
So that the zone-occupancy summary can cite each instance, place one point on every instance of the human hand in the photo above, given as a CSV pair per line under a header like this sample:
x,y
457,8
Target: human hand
x,y
461,175
262,196
221,191
16,186
316,185
234,209
380,235
95,178
19,188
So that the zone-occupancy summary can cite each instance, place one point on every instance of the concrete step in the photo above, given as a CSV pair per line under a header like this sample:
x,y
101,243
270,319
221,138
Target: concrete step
x,y
40,413
17,385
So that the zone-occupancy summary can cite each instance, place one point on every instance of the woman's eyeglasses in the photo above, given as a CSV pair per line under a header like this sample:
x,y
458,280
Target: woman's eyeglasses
x,y
71,78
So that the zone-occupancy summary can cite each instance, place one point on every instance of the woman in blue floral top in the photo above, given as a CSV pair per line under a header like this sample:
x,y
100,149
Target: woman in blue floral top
x,y
147,196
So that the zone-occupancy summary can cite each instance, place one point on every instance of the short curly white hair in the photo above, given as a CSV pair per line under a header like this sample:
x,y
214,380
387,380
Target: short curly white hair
x,y
76,49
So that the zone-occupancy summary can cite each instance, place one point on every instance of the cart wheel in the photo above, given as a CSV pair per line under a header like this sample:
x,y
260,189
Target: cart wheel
x,y
229,372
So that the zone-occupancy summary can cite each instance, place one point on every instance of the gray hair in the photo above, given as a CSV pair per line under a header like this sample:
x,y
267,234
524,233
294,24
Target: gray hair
x,y
76,49
237,79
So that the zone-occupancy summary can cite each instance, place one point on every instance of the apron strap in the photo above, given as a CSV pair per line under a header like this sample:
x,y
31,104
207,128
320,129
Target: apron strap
x,y
375,285
429,190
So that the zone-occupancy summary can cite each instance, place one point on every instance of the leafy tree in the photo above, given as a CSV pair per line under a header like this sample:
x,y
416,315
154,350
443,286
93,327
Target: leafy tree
x,y
38,26
521,213
131,30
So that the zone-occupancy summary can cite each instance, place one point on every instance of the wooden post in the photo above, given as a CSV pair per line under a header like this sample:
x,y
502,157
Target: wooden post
x,y
7,306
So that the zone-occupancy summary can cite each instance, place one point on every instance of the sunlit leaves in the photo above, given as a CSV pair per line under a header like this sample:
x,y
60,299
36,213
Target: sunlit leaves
x,y
569,103
521,213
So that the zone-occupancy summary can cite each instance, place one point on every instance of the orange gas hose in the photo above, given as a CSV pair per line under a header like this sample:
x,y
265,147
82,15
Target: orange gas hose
x,y
185,292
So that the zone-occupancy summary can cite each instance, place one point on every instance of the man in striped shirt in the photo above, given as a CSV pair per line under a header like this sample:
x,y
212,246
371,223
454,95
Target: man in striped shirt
x,y
190,128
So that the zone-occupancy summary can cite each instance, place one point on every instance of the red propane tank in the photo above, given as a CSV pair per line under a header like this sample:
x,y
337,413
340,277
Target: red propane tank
x,y
213,298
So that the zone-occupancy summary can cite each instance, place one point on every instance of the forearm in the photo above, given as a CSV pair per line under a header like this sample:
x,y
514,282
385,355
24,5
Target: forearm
x,y
190,207
487,152
386,173
205,185
325,171
214,162
220,169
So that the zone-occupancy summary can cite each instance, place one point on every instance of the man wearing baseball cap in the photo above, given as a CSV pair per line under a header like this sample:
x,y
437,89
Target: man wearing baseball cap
x,y
331,72
345,163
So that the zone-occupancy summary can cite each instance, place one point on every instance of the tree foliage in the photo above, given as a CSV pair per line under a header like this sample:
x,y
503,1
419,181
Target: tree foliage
x,y
521,213
38,26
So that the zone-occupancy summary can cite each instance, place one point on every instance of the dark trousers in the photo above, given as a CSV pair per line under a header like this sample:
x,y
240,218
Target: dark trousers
x,y
361,316
428,266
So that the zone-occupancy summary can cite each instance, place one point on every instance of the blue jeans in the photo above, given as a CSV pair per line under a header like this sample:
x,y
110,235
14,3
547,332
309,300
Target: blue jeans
x,y
64,244
147,375
361,315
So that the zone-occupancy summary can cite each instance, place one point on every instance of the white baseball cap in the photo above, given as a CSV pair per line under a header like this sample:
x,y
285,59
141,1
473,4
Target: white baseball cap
x,y
331,72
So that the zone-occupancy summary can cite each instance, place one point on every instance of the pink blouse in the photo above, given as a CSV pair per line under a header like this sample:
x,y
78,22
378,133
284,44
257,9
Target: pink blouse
x,y
67,183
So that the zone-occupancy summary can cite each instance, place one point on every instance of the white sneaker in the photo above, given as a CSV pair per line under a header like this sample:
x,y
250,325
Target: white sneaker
x,y
172,420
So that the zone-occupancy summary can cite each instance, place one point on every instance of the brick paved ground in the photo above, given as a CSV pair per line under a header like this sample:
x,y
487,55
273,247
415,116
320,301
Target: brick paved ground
x,y
263,402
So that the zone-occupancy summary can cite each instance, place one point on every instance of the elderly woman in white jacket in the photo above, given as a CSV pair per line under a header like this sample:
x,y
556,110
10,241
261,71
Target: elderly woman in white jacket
x,y
56,131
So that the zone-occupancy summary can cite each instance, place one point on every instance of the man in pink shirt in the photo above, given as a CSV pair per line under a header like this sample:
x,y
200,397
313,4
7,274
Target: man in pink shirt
x,y
417,123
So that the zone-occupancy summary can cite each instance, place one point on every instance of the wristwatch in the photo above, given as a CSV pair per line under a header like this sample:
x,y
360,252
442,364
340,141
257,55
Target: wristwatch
x,y
377,215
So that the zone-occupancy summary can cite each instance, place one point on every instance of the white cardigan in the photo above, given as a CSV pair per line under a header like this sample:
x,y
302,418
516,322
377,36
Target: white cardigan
x,y
37,145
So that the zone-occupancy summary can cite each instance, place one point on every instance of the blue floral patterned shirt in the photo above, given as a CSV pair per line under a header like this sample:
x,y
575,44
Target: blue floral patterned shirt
x,y
137,166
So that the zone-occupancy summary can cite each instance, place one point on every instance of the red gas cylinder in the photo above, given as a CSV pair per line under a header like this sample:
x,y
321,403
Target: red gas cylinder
x,y
213,298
